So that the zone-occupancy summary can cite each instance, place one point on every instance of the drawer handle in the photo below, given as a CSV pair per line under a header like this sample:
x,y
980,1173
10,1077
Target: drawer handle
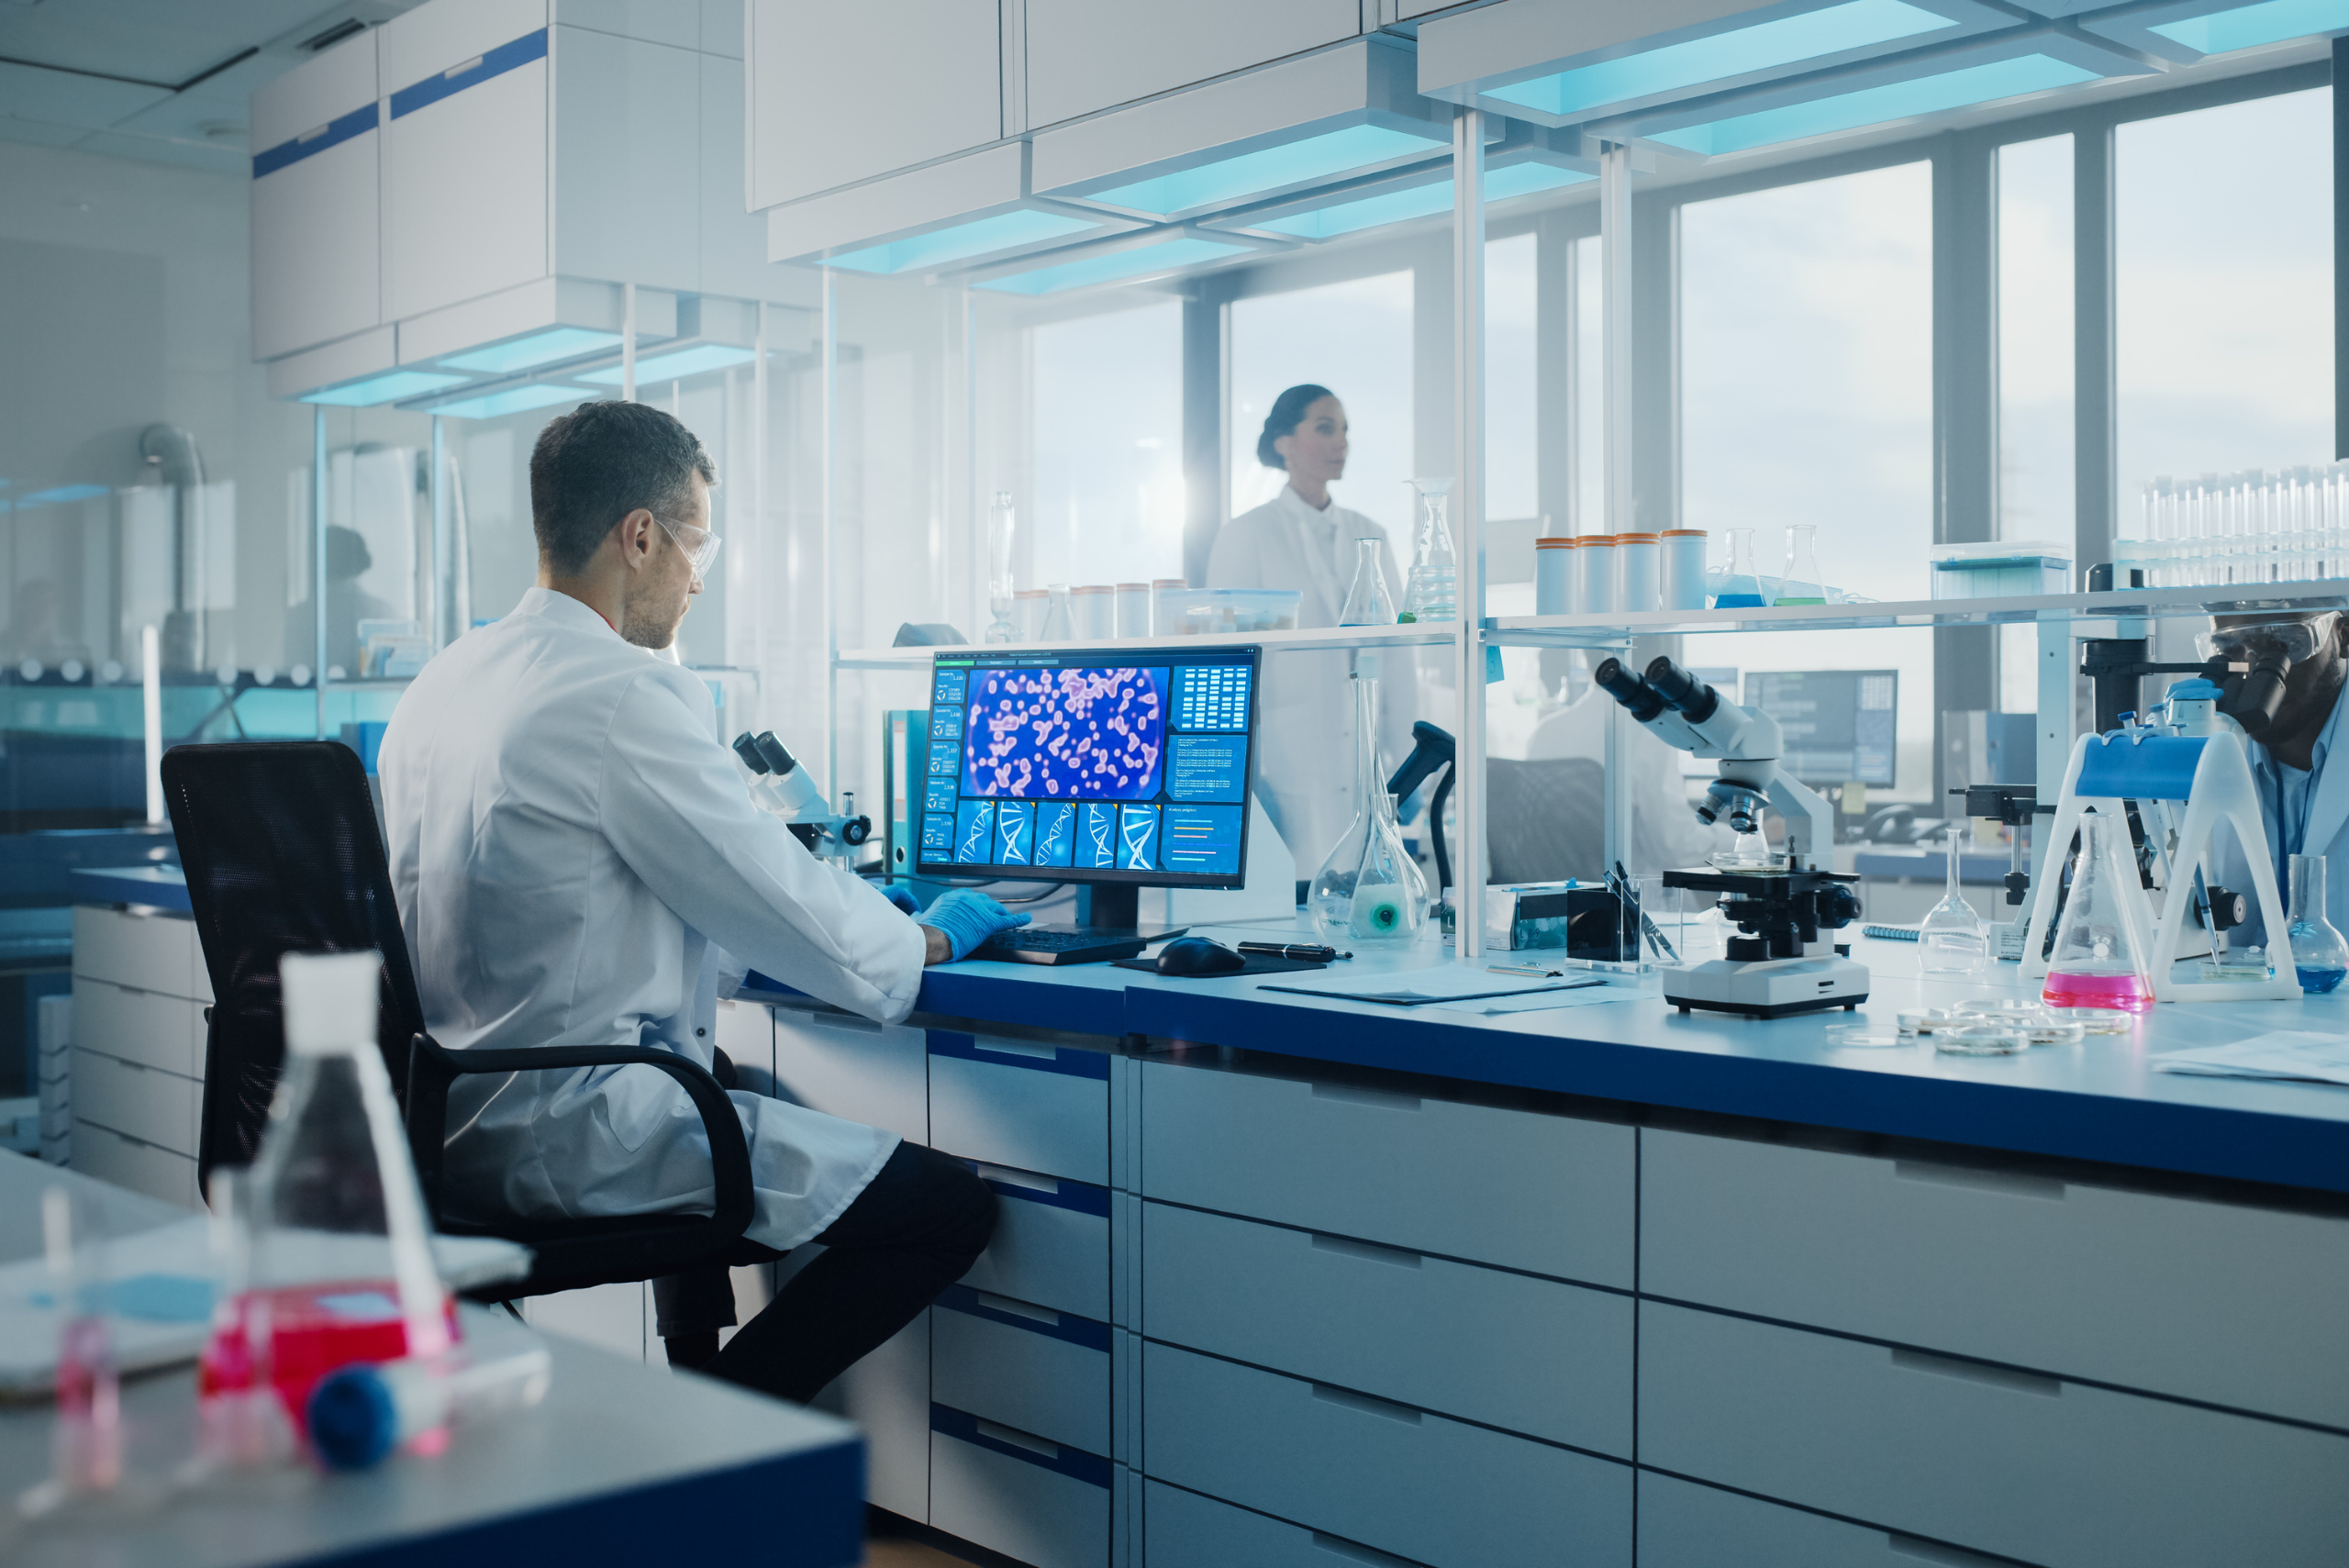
x,y
458,70
842,1021
1934,1551
1348,1094
2011,1181
1012,1178
1368,1250
1365,1404
1015,1048
1355,1553
1004,1304
1018,1438
1978,1371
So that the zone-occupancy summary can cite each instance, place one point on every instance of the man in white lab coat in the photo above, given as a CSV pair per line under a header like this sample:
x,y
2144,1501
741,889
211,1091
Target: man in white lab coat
x,y
2304,803
578,862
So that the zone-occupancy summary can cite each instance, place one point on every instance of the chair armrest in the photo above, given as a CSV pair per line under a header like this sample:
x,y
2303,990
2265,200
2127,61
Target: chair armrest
x,y
432,1068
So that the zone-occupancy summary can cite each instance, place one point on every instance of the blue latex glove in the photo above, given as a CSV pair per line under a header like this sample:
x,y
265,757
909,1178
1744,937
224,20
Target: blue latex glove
x,y
902,899
968,919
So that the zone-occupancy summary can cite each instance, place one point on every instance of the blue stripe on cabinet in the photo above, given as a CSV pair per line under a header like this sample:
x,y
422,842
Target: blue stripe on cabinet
x,y
1064,1060
1081,1197
1073,1463
497,62
1084,1332
334,133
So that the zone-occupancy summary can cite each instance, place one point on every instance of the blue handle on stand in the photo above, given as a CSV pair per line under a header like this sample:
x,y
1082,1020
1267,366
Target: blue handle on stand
x,y
2157,767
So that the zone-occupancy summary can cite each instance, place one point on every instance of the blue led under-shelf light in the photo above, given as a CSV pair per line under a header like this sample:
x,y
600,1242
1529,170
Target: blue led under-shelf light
x,y
389,387
1873,105
1677,68
2247,27
983,237
1229,181
64,493
1106,266
513,400
529,353
678,364
1418,201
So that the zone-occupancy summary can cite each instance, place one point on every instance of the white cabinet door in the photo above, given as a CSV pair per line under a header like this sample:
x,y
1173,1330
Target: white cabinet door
x,y
926,81
623,203
1087,55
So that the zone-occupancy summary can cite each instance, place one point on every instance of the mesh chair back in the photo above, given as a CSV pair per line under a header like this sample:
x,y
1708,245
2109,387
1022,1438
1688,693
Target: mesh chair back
x,y
1547,819
283,854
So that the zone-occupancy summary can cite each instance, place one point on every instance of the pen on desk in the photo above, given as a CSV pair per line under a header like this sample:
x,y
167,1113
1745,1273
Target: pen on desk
x,y
1622,891
1308,952
1531,971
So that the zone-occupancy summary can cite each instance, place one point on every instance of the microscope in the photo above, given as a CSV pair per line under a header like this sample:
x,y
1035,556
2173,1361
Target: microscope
x,y
784,789
1784,959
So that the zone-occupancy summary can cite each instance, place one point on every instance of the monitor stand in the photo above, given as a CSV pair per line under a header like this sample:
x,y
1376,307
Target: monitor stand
x,y
1114,908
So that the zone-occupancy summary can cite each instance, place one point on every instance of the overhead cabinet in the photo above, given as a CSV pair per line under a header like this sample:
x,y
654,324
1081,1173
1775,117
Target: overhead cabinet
x,y
1084,56
316,238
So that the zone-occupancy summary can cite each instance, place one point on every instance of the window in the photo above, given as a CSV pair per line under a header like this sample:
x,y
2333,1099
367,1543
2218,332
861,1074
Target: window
x,y
1807,388
1512,413
1108,452
2036,355
1354,338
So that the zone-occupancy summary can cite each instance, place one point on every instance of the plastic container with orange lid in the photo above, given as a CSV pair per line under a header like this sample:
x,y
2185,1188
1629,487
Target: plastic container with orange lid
x,y
1637,580
1594,575
1684,569
1554,576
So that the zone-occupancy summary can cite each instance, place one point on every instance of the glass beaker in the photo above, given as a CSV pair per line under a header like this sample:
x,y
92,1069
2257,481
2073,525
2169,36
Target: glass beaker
x,y
1741,588
1433,591
1951,939
2320,957
1367,602
2095,961
999,582
1369,889
1801,583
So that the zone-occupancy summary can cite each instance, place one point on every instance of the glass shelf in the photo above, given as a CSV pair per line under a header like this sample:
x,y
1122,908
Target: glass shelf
x,y
1430,634
2136,603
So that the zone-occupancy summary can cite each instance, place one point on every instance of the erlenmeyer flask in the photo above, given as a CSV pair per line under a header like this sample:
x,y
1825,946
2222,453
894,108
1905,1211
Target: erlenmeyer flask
x,y
1370,890
1800,585
1367,602
2319,955
1433,592
1951,939
999,582
2094,962
1741,588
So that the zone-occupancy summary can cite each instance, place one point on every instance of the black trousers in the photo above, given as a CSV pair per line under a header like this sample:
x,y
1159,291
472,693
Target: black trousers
x,y
916,1228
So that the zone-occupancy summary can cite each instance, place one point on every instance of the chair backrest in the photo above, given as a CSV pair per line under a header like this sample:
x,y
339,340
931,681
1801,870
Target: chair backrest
x,y
1547,819
283,854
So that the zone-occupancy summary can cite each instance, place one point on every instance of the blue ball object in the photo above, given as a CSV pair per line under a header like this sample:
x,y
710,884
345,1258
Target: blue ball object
x,y
353,1418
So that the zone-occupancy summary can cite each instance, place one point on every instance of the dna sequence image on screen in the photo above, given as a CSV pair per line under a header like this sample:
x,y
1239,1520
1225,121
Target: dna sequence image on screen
x,y
1064,734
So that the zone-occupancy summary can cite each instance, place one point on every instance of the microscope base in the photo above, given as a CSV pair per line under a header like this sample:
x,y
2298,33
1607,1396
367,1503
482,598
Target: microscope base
x,y
1767,988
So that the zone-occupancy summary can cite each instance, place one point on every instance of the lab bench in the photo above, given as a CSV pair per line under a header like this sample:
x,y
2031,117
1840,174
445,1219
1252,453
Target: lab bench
x,y
1284,1281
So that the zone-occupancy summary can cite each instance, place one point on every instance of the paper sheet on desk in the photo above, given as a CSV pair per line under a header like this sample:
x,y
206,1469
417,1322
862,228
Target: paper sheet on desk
x,y
2291,1055
1444,985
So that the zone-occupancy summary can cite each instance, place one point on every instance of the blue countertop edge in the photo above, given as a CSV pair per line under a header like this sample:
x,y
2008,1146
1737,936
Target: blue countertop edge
x,y
158,888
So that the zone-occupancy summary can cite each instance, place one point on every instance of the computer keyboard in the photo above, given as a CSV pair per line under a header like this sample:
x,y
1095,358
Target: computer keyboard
x,y
1062,944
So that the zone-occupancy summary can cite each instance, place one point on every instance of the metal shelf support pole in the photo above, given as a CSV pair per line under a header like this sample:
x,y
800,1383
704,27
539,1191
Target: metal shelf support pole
x,y
1468,445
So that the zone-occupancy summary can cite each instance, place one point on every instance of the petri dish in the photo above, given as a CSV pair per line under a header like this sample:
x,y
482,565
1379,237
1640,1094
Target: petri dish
x,y
1981,1037
1867,1036
2038,1022
2097,1020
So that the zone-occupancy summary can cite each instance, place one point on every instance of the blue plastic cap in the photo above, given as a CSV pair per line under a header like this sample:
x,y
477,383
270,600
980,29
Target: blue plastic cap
x,y
353,1418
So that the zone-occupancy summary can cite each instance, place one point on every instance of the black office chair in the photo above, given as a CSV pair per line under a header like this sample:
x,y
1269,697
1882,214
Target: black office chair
x,y
1546,820
282,855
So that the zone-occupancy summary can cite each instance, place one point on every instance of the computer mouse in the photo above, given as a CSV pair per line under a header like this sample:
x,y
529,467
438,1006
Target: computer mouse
x,y
1195,956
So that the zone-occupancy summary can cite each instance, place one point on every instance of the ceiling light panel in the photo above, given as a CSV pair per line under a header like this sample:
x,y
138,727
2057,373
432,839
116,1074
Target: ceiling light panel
x,y
965,213
550,347
677,364
1170,250
2188,30
1559,63
513,400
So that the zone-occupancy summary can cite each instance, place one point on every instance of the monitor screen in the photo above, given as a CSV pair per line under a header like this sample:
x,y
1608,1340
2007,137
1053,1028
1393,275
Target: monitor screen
x,y
1060,767
1838,724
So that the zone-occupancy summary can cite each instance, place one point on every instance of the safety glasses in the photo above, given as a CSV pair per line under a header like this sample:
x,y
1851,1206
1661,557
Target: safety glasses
x,y
2296,639
699,544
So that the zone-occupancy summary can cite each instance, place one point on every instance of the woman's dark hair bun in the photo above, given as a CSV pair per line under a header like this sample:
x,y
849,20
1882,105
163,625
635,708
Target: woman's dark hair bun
x,y
1288,413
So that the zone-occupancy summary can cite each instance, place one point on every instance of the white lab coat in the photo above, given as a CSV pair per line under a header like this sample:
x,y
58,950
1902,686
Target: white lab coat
x,y
569,847
2327,831
1305,766
1665,834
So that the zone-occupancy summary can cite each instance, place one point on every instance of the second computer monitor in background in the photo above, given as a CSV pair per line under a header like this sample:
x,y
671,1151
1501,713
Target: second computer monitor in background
x,y
1069,768
1838,724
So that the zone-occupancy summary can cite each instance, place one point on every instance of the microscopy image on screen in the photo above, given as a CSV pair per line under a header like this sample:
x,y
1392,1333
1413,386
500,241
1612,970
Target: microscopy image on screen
x,y
1065,734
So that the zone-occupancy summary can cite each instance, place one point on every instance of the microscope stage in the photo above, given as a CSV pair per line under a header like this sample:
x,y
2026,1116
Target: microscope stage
x,y
1767,988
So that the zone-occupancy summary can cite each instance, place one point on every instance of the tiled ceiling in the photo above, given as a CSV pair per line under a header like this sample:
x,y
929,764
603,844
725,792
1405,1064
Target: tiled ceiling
x,y
161,80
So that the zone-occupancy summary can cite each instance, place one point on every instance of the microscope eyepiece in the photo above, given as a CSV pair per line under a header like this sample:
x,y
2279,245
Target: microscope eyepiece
x,y
1628,689
1682,692
2253,698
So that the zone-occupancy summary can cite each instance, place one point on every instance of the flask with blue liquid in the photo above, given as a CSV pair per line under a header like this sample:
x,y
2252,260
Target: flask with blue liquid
x,y
2319,955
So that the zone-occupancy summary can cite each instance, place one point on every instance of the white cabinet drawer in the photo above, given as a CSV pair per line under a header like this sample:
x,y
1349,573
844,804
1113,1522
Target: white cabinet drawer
x,y
140,1025
1396,1479
888,1396
1021,1103
1685,1526
1018,1493
145,1103
1051,1244
1508,1350
1549,1194
2053,1473
2236,1306
848,1066
153,952
1180,1529
128,1162
1025,1366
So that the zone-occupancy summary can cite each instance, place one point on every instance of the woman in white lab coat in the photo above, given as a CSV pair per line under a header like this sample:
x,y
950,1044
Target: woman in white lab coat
x,y
1303,539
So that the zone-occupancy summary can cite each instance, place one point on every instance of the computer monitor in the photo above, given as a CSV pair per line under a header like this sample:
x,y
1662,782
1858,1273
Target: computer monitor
x,y
1838,724
1067,767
